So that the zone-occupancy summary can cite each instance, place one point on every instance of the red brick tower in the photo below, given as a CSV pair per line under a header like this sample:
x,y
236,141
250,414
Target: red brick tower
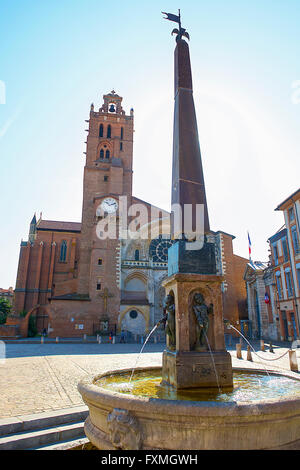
x,y
107,175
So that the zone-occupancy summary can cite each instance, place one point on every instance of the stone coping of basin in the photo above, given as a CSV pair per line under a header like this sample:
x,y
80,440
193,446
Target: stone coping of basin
x,y
94,394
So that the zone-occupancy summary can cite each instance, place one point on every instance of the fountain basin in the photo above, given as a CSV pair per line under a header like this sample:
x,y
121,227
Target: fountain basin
x,y
124,421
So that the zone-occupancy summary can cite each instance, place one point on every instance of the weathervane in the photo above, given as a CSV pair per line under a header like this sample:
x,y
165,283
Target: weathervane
x,y
181,32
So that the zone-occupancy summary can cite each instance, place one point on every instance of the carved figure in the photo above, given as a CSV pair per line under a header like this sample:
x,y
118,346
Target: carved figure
x,y
202,313
169,309
124,430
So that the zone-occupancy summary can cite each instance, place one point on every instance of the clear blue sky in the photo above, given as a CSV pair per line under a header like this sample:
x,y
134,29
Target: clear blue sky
x,y
58,56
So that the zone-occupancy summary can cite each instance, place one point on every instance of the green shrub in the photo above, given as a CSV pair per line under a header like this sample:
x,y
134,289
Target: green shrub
x,y
5,309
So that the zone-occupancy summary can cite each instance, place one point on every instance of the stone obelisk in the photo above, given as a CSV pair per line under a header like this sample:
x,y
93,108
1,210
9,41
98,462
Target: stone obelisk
x,y
195,354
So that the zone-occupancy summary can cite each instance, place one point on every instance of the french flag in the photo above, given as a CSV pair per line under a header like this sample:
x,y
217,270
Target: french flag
x,y
249,242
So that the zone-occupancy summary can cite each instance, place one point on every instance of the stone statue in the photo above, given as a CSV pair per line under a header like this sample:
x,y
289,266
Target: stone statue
x,y
169,309
124,430
202,313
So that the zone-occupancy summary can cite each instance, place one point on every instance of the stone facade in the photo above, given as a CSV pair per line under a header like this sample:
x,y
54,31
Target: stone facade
x,y
260,297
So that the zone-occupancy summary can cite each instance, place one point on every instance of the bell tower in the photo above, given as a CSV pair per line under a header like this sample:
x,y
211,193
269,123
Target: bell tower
x,y
107,175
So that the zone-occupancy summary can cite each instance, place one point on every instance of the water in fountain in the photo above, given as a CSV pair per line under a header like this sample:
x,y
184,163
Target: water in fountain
x,y
213,361
247,387
146,340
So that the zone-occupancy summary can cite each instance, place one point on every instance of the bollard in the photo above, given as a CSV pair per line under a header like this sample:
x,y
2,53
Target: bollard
x,y
99,339
271,350
239,351
293,361
249,355
114,340
57,339
262,345
42,339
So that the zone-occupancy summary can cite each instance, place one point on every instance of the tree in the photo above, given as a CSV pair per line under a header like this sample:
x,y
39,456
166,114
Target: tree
x,y
5,309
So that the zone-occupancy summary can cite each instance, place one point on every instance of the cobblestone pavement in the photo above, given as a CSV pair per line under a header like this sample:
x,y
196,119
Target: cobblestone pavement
x,y
44,377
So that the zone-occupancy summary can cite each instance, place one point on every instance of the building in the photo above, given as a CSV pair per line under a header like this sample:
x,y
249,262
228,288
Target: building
x,y
261,301
7,294
80,278
273,288
285,250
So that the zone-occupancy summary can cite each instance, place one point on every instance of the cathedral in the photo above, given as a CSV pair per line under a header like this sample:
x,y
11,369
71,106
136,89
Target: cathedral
x,y
78,278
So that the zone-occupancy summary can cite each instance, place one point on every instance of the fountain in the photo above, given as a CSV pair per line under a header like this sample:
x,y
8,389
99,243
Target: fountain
x,y
196,400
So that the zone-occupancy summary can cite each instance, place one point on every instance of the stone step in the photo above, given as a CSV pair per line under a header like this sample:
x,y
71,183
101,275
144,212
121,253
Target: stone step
x,y
7,338
42,437
65,445
42,420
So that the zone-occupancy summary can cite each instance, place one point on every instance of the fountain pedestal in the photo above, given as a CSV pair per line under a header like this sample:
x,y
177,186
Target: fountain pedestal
x,y
190,364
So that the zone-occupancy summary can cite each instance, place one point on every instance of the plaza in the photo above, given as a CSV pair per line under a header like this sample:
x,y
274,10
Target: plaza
x,y
43,377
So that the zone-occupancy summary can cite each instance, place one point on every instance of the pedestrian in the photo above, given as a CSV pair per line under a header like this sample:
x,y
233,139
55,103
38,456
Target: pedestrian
x,y
122,337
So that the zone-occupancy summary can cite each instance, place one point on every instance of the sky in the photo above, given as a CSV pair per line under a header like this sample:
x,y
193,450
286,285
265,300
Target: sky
x,y
59,56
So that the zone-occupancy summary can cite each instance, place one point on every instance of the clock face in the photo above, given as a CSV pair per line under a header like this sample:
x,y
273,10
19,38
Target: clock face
x,y
109,205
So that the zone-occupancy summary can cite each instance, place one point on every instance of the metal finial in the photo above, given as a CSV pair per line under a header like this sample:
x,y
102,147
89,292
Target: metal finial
x,y
177,19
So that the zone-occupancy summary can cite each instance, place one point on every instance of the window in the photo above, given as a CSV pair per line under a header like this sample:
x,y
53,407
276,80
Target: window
x,y
101,154
137,255
298,276
121,146
291,214
98,285
107,154
122,133
295,239
105,178
289,284
275,251
109,131
285,250
133,314
100,262
101,130
63,251
279,289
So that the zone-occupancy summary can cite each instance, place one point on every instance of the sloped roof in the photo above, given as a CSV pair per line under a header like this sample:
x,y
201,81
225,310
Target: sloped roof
x,y
57,226
289,199
255,266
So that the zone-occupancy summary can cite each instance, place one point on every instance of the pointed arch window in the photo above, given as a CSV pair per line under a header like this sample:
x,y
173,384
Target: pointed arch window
x,y
63,251
109,131
101,154
137,255
101,130
122,133
107,154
